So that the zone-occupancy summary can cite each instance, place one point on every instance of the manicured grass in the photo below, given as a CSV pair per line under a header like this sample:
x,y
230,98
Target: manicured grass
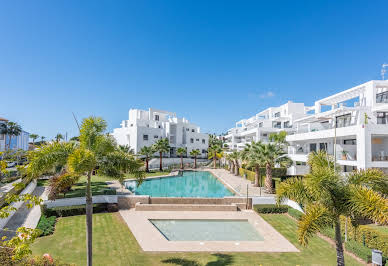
x,y
114,244
381,228
98,186
151,173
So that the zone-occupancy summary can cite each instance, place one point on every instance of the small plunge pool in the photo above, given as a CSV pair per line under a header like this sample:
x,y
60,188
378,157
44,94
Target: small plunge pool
x,y
206,230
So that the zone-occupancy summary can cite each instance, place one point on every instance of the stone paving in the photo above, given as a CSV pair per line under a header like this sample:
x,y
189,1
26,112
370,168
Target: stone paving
x,y
239,184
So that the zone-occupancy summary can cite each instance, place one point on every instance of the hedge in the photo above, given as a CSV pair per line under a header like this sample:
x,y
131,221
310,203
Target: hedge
x,y
270,208
277,173
47,225
77,210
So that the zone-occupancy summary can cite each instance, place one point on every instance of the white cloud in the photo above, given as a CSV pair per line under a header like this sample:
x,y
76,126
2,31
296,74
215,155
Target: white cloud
x,y
267,94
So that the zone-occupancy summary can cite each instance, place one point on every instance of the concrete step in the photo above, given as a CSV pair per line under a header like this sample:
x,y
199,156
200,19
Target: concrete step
x,y
185,207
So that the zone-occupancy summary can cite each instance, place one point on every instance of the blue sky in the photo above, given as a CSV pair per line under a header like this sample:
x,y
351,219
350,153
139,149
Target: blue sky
x,y
213,62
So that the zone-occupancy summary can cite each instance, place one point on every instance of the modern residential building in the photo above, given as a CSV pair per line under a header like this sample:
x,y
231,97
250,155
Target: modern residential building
x,y
17,142
258,127
145,127
352,125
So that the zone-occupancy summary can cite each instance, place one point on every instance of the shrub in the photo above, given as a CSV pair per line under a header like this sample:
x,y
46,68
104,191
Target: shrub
x,y
277,173
47,225
76,210
270,208
295,213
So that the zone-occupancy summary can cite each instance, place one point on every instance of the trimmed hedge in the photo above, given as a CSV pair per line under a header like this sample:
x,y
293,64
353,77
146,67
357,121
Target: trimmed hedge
x,y
278,175
295,213
77,210
270,208
47,225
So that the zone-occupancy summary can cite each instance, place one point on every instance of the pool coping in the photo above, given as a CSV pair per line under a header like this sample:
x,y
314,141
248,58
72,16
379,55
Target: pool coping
x,y
151,240
176,174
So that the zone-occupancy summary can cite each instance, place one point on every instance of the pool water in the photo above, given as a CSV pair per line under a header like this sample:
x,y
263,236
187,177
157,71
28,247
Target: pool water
x,y
207,230
190,184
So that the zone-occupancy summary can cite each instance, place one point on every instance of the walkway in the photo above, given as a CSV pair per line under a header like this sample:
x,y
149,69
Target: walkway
x,y
239,183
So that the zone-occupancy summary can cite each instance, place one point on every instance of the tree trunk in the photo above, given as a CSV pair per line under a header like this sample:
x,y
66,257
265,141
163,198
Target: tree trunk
x,y
181,161
338,244
268,178
231,167
215,162
147,168
257,175
89,222
160,162
195,161
237,168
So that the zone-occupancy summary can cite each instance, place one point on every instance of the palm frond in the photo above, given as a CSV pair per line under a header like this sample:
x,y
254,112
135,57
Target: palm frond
x,y
292,188
371,178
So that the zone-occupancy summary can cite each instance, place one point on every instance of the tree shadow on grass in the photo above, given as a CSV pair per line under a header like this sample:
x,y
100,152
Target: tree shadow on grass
x,y
222,260
180,261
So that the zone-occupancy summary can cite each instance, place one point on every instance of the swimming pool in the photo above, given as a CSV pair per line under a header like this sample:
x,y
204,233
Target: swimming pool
x,y
207,230
190,184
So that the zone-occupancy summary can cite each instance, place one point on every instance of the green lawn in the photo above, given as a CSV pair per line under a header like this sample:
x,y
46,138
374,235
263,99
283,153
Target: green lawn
x,y
152,173
114,244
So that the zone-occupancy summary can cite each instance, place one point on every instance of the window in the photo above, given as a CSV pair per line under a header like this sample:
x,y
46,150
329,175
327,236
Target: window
x,y
148,125
382,118
277,114
203,141
343,120
197,140
313,147
204,151
126,123
382,97
1,136
131,125
261,124
160,126
265,135
192,130
350,142
156,136
191,140
323,146
277,124
145,137
348,168
157,117
287,124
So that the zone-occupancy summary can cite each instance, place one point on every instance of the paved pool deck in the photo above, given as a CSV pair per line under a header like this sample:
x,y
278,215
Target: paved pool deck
x,y
150,239
238,183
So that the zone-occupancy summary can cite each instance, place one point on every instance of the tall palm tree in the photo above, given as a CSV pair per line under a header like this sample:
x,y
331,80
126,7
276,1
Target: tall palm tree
x,y
228,157
252,154
96,150
10,129
41,139
215,152
195,153
327,195
161,146
271,154
126,148
33,137
59,137
235,156
181,151
147,152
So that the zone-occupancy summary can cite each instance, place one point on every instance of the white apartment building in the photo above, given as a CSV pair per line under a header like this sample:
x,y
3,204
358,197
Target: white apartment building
x,y
258,127
352,125
145,127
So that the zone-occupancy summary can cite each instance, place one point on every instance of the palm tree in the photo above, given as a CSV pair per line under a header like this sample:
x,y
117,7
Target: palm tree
x,y
252,154
181,151
161,146
195,153
126,148
271,154
235,156
96,150
327,195
215,152
228,157
58,137
147,152
41,139
33,137
10,129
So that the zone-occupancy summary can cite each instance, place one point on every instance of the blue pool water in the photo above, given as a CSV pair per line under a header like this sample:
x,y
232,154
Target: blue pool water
x,y
189,184
207,230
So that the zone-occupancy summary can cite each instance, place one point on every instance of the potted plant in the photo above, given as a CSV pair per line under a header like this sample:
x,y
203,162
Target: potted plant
x,y
344,155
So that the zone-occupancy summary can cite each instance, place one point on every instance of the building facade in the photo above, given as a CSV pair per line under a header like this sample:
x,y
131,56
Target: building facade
x,y
258,127
351,125
17,142
145,127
